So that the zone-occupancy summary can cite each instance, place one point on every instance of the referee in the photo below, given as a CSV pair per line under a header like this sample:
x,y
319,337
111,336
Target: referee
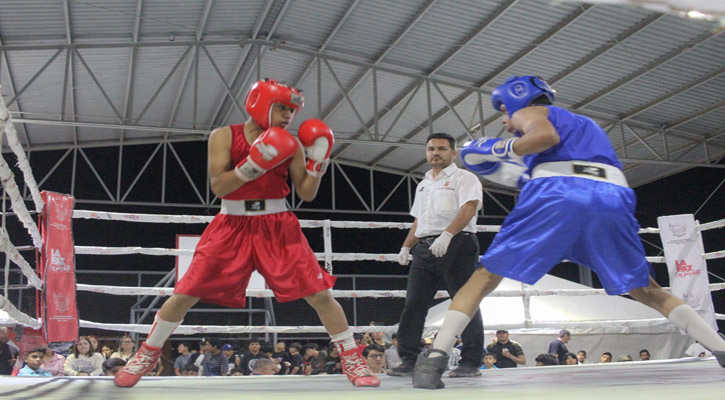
x,y
444,250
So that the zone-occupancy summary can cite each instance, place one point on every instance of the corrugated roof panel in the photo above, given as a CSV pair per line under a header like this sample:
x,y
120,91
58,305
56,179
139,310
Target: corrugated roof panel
x,y
309,22
23,21
102,19
373,26
43,96
232,18
513,31
161,18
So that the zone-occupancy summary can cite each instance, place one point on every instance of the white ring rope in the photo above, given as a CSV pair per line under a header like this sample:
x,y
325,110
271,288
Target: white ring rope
x,y
12,253
16,199
441,294
23,319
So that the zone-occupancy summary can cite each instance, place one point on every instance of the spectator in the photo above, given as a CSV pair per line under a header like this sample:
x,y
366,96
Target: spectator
x,y
295,359
333,364
83,361
190,370
570,359
581,356
374,337
624,358
375,356
126,348
508,353
236,372
94,344
558,346
215,363
282,357
182,359
264,366
253,353
392,358
697,350
7,353
53,362
228,351
546,359
106,351
33,361
113,365
644,355
606,357
316,359
489,361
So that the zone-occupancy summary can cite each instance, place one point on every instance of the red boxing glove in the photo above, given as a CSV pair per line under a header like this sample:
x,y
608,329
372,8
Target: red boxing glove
x,y
271,148
317,138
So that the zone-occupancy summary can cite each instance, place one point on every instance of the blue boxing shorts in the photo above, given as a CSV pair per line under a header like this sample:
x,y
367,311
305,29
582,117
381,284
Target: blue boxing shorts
x,y
585,221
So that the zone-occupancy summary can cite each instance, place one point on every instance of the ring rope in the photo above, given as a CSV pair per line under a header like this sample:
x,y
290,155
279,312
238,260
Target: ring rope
x,y
21,318
13,254
441,294
7,127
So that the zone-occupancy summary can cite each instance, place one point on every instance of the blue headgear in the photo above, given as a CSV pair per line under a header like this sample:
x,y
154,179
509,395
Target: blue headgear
x,y
519,91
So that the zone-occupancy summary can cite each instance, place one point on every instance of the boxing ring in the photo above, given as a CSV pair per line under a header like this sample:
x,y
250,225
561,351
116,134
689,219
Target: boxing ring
x,y
665,378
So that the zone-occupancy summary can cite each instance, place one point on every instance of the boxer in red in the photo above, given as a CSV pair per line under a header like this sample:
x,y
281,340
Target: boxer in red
x,y
249,165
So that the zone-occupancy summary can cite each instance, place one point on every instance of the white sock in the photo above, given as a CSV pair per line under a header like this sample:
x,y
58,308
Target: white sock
x,y
344,340
687,319
161,331
454,323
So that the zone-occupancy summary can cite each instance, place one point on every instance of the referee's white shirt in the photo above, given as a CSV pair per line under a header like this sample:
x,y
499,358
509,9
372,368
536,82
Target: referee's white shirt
x,y
437,201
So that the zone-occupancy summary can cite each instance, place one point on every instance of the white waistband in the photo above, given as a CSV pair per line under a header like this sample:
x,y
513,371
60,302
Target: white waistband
x,y
253,207
581,169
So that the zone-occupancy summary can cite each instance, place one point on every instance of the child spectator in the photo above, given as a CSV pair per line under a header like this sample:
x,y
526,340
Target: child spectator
x,y
33,361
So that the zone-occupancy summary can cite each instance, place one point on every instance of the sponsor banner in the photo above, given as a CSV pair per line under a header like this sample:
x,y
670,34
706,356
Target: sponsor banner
x,y
687,268
57,269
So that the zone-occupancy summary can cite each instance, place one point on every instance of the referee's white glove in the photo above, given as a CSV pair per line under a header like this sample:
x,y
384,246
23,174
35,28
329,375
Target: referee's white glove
x,y
404,256
440,245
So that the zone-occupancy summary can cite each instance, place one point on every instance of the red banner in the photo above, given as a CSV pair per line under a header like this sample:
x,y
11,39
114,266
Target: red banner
x,y
28,339
57,269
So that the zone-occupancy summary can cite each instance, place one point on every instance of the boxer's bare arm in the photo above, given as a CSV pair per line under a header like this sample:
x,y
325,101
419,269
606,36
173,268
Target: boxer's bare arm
x,y
221,171
306,185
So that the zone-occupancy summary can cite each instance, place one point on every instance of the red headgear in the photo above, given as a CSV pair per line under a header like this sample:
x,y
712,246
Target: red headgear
x,y
264,94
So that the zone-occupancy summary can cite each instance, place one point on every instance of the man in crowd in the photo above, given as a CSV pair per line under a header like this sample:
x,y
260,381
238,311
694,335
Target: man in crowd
x,y
508,353
558,346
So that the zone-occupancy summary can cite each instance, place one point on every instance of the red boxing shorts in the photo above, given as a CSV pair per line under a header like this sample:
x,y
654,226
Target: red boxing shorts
x,y
233,246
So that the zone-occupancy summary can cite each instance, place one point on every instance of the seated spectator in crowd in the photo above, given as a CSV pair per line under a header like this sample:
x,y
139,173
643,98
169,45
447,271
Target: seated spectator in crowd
x,y
644,355
376,337
489,361
606,357
570,359
215,363
581,356
315,359
282,357
113,365
106,351
295,359
246,362
375,356
94,344
546,359
333,364
184,355
236,372
126,348
264,366
53,362
190,370
33,361
624,358
508,353
7,353
228,351
268,351
83,361
697,350
392,358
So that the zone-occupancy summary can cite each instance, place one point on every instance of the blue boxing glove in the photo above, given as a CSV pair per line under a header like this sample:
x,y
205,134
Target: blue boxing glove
x,y
490,149
476,156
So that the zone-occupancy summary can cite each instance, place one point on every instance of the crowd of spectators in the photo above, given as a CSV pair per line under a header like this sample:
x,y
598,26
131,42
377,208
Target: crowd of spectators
x,y
211,356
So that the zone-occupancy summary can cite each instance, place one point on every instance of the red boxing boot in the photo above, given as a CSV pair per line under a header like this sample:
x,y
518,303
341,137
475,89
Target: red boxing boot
x,y
140,365
357,370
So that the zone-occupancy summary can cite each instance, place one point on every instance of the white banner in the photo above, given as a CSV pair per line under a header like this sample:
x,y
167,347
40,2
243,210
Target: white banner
x,y
683,247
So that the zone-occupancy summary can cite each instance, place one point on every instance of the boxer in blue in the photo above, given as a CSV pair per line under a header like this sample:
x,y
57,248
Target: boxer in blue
x,y
575,204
